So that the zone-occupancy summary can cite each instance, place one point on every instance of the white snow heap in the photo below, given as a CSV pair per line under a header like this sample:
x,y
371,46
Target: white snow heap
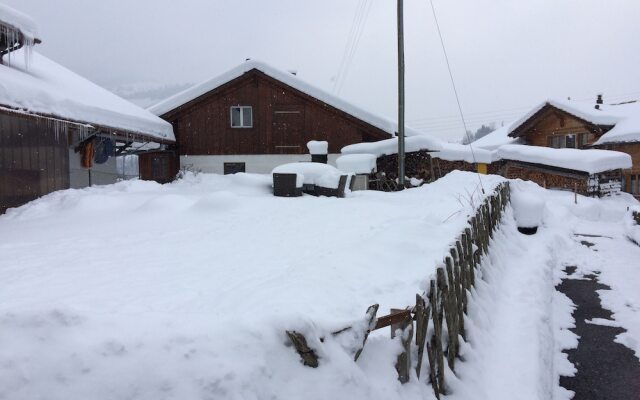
x,y
357,163
312,173
19,21
461,152
287,78
318,147
390,146
528,208
590,161
50,89
625,118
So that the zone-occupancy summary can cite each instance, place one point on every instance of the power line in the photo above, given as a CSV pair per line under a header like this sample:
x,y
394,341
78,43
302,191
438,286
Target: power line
x,y
455,90
354,23
362,15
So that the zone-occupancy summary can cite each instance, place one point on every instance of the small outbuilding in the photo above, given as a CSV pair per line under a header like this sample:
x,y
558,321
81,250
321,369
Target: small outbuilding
x,y
57,129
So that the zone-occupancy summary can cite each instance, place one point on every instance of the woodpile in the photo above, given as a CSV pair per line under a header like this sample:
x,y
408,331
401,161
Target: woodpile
x,y
443,306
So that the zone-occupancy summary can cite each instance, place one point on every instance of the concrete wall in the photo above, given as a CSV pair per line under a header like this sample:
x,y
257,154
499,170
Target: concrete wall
x,y
257,164
101,174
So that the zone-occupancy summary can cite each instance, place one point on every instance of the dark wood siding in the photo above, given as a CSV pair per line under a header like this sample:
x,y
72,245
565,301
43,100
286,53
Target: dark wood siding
x,y
159,166
34,159
284,120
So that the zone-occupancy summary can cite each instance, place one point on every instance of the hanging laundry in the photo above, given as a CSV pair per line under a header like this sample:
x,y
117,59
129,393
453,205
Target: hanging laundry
x,y
87,154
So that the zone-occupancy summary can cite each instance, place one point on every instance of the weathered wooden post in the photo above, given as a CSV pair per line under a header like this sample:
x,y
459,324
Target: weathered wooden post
x,y
403,362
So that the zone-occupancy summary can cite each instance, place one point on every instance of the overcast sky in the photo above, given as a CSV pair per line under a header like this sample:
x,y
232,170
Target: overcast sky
x,y
506,55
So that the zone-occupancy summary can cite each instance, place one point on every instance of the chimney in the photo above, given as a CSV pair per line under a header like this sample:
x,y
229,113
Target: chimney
x,y
599,100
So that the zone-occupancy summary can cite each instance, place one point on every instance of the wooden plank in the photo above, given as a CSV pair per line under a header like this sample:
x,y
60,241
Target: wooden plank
x,y
393,318
309,357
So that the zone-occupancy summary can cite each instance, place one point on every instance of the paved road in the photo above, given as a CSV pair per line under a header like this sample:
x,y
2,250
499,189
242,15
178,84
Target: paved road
x,y
606,370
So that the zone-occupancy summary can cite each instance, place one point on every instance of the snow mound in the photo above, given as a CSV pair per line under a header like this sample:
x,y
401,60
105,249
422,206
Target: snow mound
x,y
312,173
528,207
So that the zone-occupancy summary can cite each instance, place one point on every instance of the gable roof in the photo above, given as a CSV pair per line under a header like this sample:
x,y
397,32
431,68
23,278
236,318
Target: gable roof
x,y
49,89
620,122
201,89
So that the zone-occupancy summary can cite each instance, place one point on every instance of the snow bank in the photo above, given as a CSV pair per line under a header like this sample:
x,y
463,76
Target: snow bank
x,y
357,163
18,20
517,323
390,146
287,78
318,147
48,88
190,298
461,152
312,173
591,161
631,228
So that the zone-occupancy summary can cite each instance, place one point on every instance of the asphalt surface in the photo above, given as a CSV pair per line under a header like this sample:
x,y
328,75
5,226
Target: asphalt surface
x,y
606,370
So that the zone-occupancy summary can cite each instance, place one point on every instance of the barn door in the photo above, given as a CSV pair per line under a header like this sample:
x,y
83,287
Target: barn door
x,y
288,130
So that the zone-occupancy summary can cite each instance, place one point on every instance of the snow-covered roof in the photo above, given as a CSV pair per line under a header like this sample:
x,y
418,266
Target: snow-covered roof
x,y
625,118
462,152
50,89
590,161
390,146
287,78
495,139
19,21
357,163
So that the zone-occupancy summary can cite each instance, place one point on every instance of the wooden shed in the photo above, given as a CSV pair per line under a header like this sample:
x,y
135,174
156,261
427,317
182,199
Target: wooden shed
x,y
158,165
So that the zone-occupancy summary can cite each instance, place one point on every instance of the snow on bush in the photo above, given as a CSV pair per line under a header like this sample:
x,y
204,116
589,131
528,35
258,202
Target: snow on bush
x,y
318,147
357,163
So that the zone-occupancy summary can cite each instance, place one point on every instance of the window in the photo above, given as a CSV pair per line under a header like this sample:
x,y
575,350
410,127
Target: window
x,y
555,141
584,139
570,141
635,185
234,167
242,117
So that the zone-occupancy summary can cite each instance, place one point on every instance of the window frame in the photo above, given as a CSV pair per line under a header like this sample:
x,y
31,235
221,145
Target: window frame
x,y
242,117
566,141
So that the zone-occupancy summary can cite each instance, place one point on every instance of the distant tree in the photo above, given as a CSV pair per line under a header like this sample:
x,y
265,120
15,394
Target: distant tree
x,y
484,130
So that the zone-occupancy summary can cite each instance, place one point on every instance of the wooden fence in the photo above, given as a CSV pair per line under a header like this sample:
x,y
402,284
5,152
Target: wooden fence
x,y
443,305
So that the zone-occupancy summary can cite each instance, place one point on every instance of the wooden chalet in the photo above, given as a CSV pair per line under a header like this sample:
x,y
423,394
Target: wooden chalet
x,y
256,117
58,130
578,125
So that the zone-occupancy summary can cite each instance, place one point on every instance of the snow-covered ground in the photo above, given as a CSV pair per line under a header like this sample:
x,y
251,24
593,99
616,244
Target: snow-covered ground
x,y
183,291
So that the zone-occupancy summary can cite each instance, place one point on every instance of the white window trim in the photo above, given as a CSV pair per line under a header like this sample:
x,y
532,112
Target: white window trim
x,y
242,108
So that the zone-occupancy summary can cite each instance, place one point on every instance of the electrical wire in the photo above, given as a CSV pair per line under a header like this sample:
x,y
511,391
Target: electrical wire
x,y
455,90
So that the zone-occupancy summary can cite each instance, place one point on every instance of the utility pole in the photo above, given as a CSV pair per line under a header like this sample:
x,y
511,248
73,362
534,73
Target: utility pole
x,y
401,183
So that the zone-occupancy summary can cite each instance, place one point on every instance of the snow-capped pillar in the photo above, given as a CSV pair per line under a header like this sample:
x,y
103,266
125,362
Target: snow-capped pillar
x,y
319,151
